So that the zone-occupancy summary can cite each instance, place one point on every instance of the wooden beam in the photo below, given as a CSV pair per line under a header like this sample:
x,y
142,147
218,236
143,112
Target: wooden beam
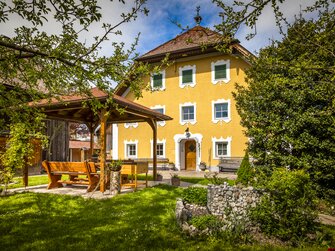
x,y
103,123
91,126
153,124
25,173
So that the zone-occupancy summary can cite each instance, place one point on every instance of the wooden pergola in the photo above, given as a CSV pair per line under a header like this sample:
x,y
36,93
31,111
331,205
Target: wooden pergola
x,y
76,108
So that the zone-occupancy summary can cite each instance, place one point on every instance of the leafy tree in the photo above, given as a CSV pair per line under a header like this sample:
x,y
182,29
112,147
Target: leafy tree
x,y
35,63
288,209
237,13
245,173
288,107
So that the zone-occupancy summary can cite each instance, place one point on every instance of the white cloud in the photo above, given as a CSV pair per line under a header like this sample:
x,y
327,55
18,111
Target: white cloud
x,y
157,28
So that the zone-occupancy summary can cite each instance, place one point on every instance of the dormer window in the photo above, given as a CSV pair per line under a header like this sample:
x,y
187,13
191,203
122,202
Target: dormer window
x,y
187,76
158,81
220,71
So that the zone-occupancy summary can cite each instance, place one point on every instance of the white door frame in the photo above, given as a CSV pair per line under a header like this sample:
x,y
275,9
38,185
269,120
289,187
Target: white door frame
x,y
179,140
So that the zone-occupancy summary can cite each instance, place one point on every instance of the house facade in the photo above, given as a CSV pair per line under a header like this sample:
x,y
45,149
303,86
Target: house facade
x,y
195,89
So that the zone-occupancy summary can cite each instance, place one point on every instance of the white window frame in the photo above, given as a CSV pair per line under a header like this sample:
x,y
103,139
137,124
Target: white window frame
x,y
160,123
163,142
163,81
130,142
127,125
184,68
221,140
221,101
220,62
183,122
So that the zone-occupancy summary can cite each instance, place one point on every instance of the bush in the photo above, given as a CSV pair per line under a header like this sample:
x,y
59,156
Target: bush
x,y
206,221
245,172
195,195
287,211
213,178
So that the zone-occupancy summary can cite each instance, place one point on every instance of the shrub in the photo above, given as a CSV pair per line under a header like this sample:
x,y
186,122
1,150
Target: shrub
x,y
195,195
206,221
213,178
287,211
245,172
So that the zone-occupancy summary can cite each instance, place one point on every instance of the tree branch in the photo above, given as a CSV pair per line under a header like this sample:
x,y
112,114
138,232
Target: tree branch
x,y
35,52
124,20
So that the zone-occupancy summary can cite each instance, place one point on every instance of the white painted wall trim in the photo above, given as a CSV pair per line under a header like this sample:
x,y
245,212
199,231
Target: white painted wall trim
x,y
128,142
220,101
178,138
127,125
220,62
163,141
187,67
163,82
183,122
115,141
160,123
218,140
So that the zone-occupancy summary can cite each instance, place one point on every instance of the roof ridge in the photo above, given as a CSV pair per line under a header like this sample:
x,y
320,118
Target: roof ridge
x,y
176,37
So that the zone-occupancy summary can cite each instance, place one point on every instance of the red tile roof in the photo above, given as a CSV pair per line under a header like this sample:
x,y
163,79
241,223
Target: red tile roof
x,y
102,96
193,38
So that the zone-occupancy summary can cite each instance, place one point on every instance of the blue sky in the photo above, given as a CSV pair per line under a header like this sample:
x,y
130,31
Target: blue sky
x,y
157,27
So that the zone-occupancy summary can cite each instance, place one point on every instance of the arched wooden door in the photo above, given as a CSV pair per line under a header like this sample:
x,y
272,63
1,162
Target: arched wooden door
x,y
190,155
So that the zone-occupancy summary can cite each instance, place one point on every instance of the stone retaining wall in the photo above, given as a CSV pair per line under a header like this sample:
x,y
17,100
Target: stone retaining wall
x,y
230,204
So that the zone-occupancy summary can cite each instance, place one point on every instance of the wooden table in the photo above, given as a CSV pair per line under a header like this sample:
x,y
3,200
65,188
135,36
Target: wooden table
x,y
133,169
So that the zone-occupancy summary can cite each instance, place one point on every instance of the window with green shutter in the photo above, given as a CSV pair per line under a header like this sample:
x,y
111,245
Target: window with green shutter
x,y
220,71
157,80
187,76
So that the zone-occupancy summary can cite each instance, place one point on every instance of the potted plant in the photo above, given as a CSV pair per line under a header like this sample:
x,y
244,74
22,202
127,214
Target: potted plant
x,y
202,166
175,180
115,165
159,177
172,166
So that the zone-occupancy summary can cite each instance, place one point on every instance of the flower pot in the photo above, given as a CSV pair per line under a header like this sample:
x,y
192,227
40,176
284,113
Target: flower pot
x,y
171,166
175,181
115,168
159,177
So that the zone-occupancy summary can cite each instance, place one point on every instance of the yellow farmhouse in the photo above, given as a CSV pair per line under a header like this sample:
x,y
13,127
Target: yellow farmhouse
x,y
196,91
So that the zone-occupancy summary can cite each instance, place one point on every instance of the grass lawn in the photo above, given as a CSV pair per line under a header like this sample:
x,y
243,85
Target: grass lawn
x,y
43,179
143,220
32,181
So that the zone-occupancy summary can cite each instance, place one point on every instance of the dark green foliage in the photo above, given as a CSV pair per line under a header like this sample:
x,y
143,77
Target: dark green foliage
x,y
206,221
288,106
245,173
287,211
195,195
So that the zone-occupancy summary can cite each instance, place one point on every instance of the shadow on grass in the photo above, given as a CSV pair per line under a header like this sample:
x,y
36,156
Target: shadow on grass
x,y
143,220
139,221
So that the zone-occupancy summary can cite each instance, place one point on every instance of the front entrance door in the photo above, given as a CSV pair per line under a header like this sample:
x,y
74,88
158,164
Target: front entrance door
x,y
190,154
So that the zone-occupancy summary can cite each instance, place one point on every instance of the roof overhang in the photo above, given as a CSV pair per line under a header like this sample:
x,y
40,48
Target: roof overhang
x,y
79,108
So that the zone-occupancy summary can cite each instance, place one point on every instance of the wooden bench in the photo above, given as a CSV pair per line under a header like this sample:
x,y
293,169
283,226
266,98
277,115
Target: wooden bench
x,y
55,171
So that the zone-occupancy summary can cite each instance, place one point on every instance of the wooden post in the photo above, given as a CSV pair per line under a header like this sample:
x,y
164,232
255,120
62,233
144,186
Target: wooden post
x,y
25,174
91,128
153,125
103,121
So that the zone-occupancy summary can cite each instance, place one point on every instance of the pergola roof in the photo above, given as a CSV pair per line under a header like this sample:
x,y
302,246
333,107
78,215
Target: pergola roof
x,y
71,108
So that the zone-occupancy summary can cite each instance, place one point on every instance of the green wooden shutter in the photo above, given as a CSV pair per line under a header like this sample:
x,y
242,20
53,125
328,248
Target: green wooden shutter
x,y
158,80
220,71
187,76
